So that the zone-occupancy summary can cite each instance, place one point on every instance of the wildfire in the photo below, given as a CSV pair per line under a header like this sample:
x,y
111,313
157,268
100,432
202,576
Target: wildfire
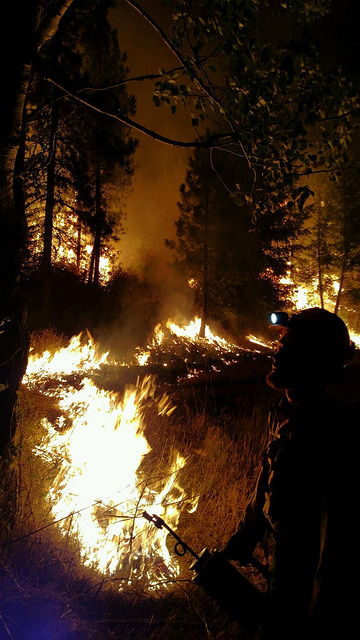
x,y
102,486
187,336
142,356
79,356
192,330
104,480
107,473
303,297
260,341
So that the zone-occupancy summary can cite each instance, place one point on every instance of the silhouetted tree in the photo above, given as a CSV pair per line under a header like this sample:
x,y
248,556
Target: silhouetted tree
x,y
24,33
80,149
328,261
217,248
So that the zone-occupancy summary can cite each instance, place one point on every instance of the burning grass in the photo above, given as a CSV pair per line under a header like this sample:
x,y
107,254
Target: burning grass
x,y
194,469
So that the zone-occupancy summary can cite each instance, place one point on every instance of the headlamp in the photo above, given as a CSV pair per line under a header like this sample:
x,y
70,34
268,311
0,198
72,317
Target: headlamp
x,y
279,318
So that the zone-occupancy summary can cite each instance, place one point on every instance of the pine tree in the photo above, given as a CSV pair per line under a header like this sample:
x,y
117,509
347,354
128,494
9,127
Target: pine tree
x,y
328,262
79,149
217,248
20,41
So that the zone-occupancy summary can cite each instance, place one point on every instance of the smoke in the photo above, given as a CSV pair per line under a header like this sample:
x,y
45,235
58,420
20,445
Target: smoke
x,y
151,292
151,208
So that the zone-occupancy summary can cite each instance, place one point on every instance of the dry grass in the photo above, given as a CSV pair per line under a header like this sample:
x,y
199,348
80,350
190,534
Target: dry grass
x,y
42,581
47,340
220,472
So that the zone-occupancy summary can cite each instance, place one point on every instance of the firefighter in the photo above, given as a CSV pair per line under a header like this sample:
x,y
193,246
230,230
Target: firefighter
x,y
304,483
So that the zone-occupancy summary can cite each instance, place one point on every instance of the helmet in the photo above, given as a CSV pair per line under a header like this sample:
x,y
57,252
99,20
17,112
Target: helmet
x,y
319,327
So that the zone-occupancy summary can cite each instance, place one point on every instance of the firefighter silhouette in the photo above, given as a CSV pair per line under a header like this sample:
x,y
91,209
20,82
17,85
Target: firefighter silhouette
x,y
305,493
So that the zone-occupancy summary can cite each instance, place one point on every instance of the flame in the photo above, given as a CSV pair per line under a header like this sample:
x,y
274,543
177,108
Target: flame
x,y
106,476
78,356
103,483
355,337
193,284
191,331
188,336
142,356
101,489
260,341
303,297
186,342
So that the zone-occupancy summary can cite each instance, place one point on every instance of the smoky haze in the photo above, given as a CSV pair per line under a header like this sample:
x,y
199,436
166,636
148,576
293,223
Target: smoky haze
x,y
151,207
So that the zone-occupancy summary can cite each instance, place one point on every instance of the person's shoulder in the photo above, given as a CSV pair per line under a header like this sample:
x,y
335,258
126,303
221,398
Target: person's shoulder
x,y
321,417
340,410
340,428
333,407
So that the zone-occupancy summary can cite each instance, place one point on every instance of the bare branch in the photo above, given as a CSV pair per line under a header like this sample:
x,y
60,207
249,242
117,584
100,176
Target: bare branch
x,y
207,89
211,141
311,172
49,24
185,64
150,76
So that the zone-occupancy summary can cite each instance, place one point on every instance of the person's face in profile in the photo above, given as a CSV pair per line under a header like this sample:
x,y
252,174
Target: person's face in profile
x,y
294,362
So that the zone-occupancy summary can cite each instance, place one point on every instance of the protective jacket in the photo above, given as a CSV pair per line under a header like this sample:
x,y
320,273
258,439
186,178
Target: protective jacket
x,y
299,499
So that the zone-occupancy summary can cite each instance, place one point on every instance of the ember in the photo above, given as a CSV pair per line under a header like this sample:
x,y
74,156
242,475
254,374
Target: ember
x,y
181,349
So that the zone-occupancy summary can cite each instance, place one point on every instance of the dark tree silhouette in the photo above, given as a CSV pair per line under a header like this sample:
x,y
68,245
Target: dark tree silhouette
x,y
21,42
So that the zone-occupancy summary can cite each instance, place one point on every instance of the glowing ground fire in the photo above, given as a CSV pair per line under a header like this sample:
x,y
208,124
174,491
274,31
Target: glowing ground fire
x,y
103,483
226,351
100,491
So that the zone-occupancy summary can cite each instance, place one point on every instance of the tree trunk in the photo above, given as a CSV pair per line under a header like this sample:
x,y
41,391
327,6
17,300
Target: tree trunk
x,y
17,45
78,246
13,334
97,254
205,283
94,271
49,210
319,260
346,250
341,285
